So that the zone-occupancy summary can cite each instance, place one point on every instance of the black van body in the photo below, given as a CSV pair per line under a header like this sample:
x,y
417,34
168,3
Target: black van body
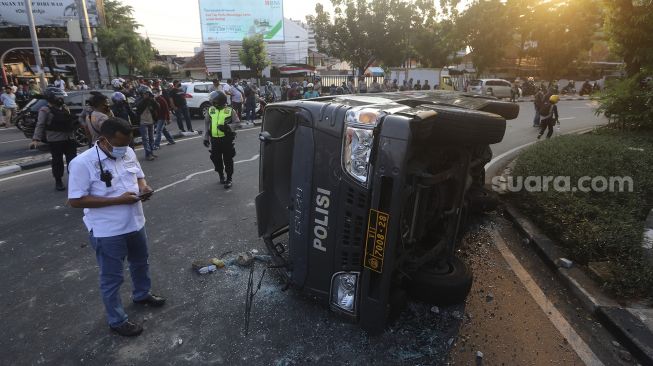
x,y
362,197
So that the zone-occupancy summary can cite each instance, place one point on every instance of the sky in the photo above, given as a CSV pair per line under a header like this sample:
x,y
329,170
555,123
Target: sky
x,y
175,29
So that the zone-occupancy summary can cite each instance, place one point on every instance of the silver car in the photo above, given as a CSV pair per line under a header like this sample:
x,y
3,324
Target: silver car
x,y
494,87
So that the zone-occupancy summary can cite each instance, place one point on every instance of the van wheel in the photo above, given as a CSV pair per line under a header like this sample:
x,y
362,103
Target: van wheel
x,y
461,126
445,286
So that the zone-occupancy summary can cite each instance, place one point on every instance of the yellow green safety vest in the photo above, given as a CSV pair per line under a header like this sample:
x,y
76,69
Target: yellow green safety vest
x,y
218,117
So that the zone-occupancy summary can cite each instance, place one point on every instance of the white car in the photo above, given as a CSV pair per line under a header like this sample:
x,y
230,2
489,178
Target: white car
x,y
494,87
197,96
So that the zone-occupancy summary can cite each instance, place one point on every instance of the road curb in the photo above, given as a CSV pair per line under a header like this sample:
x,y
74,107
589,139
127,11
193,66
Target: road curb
x,y
561,99
9,169
631,332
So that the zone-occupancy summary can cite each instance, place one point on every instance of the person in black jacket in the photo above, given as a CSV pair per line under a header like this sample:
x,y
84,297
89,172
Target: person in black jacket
x,y
147,111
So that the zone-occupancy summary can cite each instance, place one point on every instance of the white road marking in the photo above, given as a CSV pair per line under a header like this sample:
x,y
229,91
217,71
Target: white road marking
x,y
138,149
8,142
575,341
191,176
562,119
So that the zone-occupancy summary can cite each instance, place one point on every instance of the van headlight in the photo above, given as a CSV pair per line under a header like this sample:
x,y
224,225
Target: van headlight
x,y
344,287
358,141
357,150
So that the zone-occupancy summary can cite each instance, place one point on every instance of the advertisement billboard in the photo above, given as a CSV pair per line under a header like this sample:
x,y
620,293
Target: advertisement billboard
x,y
228,20
46,13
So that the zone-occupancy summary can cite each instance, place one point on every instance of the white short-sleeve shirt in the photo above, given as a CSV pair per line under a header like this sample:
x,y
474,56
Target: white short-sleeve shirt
x,y
84,180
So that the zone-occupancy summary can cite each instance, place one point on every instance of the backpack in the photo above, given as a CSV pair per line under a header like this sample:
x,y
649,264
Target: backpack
x,y
546,110
62,120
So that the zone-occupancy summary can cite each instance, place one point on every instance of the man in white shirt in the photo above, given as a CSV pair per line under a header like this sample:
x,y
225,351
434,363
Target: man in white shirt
x,y
58,83
8,101
108,183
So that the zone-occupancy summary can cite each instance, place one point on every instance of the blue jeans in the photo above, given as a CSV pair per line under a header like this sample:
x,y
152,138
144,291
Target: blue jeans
x,y
161,128
110,253
536,119
250,112
147,135
183,112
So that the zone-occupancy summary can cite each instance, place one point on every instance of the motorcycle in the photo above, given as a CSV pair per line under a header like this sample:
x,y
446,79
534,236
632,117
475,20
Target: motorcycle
x,y
569,89
586,89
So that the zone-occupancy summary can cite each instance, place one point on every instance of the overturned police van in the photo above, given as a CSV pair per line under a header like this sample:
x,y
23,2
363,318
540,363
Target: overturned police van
x,y
363,197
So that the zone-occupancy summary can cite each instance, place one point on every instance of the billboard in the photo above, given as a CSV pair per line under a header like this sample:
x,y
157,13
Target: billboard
x,y
46,13
228,20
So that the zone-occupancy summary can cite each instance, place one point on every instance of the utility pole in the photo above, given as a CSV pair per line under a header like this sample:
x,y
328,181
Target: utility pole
x,y
35,45
89,47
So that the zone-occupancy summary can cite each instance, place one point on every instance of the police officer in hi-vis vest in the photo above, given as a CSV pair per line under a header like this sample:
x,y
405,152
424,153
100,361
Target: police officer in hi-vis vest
x,y
219,135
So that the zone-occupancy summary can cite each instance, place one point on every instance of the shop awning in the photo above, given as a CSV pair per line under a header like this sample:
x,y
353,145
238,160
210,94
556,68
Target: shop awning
x,y
374,71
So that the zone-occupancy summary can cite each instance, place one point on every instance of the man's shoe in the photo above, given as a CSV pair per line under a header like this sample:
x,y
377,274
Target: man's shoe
x,y
58,185
171,142
155,155
156,147
228,184
222,180
128,329
152,300
149,158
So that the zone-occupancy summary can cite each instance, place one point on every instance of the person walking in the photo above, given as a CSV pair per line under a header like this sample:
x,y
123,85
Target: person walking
x,y
549,116
162,120
250,103
8,101
55,124
108,183
180,106
219,136
236,93
147,111
538,101
101,112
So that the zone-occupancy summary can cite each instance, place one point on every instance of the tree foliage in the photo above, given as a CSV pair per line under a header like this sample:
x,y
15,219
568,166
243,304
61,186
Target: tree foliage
x,y
629,26
389,32
253,54
119,41
160,71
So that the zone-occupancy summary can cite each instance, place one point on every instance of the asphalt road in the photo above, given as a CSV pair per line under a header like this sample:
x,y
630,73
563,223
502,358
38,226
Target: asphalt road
x,y
52,313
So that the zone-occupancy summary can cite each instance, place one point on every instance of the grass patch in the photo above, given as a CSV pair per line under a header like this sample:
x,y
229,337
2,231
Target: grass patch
x,y
595,226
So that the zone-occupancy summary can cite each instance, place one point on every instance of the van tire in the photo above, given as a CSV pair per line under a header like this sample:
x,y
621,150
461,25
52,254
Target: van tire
x,y
461,126
442,288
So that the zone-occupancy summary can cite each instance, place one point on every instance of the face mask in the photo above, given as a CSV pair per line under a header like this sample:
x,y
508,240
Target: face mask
x,y
118,152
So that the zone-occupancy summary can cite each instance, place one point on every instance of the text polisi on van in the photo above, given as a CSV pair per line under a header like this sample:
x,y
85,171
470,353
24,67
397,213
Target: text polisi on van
x,y
320,229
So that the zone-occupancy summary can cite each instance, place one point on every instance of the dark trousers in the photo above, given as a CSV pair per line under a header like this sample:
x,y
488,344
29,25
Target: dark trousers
x,y
223,151
238,107
183,113
58,149
547,123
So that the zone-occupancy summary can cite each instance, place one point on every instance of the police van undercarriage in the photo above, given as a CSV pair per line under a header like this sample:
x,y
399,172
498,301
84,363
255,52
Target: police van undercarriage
x,y
363,199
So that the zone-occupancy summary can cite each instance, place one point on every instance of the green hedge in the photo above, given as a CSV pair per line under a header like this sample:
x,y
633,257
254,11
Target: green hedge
x,y
595,226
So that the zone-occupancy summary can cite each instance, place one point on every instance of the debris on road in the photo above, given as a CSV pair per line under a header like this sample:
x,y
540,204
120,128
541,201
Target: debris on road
x,y
489,297
435,310
219,263
564,263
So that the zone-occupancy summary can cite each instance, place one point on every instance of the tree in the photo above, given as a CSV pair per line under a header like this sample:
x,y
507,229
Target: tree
x,y
119,41
386,31
253,54
485,27
629,26
562,31
160,71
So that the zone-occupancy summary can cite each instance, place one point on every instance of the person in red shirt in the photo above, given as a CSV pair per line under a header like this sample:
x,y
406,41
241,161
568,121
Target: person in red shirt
x,y
163,120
